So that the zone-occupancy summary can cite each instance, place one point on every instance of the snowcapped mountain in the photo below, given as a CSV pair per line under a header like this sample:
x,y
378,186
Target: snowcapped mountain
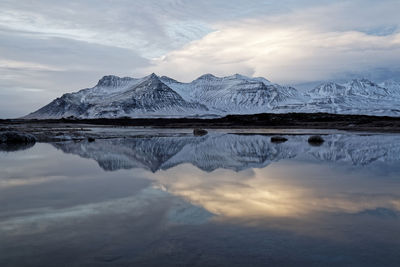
x,y
154,96
359,96
115,97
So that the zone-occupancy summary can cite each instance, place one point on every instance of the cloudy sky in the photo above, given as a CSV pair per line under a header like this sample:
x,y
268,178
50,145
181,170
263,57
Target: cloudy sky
x,y
49,47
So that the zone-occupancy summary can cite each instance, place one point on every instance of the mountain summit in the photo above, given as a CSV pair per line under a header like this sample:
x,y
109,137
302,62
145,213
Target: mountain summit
x,y
154,96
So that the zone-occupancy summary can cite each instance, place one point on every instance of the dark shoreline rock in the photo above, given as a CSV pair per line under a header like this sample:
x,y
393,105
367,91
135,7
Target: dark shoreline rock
x,y
14,141
15,147
12,137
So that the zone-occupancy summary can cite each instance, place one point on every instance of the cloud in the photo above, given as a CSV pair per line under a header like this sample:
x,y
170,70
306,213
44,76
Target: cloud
x,y
277,192
146,27
302,46
46,217
286,55
151,28
15,65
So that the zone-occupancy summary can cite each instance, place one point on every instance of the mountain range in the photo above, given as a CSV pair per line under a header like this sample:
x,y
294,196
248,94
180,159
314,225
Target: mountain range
x,y
154,96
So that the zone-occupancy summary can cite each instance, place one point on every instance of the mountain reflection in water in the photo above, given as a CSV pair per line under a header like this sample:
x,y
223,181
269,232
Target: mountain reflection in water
x,y
219,199
231,151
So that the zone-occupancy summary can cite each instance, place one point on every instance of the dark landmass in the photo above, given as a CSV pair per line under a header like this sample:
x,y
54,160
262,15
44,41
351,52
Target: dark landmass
x,y
16,138
265,120
12,147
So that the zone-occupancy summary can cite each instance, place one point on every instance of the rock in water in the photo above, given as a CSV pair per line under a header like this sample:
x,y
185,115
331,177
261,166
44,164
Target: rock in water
x,y
199,132
315,140
278,139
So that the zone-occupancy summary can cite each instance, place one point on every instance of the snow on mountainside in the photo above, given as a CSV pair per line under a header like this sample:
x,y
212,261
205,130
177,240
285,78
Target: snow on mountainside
x,y
154,96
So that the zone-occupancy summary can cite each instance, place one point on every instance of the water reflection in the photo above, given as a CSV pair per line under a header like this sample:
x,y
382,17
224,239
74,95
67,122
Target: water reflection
x,y
231,151
289,189
220,199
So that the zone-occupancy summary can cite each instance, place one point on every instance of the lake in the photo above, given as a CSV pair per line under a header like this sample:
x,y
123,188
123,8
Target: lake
x,y
216,200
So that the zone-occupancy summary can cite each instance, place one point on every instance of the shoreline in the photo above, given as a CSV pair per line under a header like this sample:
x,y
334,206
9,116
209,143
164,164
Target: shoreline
x,y
356,123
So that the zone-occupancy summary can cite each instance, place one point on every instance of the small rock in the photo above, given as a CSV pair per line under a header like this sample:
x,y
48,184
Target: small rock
x,y
278,139
315,140
199,132
91,139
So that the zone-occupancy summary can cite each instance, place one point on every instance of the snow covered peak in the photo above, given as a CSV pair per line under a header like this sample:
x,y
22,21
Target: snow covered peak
x,y
166,79
248,79
152,76
365,87
235,77
151,81
363,82
238,76
207,76
328,89
263,80
113,81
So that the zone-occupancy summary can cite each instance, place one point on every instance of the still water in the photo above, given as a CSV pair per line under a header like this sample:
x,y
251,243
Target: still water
x,y
217,200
